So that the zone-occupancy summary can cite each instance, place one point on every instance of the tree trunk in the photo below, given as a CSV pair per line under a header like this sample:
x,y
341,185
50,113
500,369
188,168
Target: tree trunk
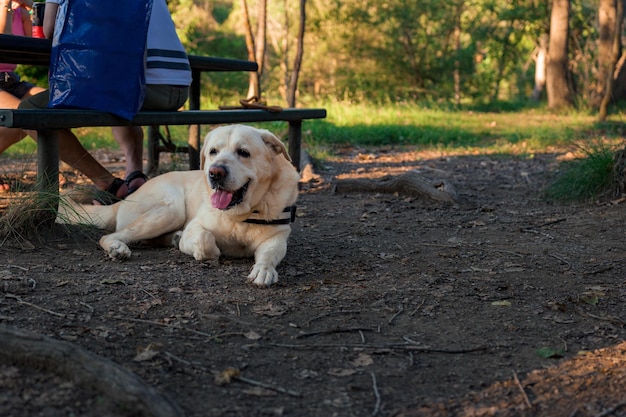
x,y
292,88
540,68
254,87
614,54
606,27
85,369
261,38
457,50
559,94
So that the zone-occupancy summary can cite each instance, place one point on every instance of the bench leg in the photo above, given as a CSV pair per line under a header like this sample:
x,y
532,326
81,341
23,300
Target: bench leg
x,y
153,150
295,140
194,147
48,173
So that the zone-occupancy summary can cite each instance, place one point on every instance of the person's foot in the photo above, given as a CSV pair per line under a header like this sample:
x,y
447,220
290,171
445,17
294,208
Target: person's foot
x,y
118,190
135,180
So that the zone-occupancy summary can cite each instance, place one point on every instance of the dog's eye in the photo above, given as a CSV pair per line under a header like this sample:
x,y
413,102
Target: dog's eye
x,y
243,153
213,151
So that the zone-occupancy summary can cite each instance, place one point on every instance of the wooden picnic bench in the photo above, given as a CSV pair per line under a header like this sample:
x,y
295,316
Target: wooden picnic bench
x,y
33,51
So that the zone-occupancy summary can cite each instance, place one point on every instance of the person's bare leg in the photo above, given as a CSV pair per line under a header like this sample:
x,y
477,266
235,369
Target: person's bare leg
x,y
8,136
130,139
72,152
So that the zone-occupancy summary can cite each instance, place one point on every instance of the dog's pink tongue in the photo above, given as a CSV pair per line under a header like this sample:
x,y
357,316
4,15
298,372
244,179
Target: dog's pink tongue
x,y
221,199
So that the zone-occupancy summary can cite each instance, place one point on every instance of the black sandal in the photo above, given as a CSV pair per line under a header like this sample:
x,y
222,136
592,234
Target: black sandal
x,y
109,196
136,175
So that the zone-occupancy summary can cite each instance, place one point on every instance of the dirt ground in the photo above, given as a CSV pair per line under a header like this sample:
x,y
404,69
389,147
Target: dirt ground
x,y
387,305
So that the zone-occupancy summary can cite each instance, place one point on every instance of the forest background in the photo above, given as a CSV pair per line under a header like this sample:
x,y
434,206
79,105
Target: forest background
x,y
463,52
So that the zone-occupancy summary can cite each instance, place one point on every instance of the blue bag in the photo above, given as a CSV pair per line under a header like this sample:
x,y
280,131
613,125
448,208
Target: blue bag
x,y
98,55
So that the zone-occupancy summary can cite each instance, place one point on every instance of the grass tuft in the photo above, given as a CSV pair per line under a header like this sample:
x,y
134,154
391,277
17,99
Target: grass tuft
x,y
28,213
587,178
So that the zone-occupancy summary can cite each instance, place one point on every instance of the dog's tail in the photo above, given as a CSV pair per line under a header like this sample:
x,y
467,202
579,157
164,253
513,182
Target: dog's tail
x,y
71,212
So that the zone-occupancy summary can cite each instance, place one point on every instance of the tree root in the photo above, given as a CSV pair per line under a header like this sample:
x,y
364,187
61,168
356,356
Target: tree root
x,y
409,183
85,369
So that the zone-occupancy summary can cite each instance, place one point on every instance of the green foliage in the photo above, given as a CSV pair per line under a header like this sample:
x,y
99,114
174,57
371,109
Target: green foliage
x,y
586,178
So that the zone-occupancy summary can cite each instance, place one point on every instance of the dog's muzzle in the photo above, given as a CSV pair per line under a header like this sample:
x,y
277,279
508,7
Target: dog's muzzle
x,y
223,198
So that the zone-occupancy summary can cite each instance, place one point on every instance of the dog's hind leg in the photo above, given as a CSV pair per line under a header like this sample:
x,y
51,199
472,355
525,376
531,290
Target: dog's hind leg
x,y
148,226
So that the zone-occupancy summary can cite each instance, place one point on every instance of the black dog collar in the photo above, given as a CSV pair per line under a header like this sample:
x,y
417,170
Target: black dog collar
x,y
288,216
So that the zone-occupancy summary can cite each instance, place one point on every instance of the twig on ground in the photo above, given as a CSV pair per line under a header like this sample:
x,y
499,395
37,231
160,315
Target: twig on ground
x,y
20,301
550,223
529,230
412,313
611,410
172,326
392,318
332,313
600,270
565,261
376,394
268,386
393,346
17,266
610,319
177,359
333,331
521,388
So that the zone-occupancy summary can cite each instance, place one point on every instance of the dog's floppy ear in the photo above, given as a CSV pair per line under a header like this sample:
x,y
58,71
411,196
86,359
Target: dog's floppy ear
x,y
202,157
274,143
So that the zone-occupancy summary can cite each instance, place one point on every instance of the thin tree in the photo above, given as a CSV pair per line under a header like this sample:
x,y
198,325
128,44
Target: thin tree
x,y
616,11
541,56
255,46
557,85
292,86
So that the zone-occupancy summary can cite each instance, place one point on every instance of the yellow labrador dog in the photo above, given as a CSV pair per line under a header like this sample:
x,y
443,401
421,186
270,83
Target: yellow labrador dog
x,y
239,204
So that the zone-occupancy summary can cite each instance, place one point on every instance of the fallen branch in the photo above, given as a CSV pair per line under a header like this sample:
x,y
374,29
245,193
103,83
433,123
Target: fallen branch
x,y
521,388
391,346
376,394
20,301
333,331
409,183
85,369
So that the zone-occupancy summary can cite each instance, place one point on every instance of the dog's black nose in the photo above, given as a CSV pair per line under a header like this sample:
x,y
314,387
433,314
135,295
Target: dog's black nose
x,y
218,172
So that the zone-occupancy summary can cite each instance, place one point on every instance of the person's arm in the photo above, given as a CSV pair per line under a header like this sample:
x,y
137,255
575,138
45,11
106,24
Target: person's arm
x,y
6,17
26,22
49,17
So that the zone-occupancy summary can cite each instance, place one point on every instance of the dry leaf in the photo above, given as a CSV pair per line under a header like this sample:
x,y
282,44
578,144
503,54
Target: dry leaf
x,y
363,360
270,310
259,392
341,372
503,303
252,335
226,376
147,353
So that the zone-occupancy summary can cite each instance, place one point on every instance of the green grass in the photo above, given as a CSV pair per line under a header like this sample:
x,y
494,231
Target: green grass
x,y
587,178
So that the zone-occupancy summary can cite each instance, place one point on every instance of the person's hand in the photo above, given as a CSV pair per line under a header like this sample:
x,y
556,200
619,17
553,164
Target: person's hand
x,y
28,4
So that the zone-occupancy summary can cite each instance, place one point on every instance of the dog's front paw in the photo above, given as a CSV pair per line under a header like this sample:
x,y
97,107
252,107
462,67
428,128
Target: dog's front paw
x,y
263,275
118,250
205,253
199,245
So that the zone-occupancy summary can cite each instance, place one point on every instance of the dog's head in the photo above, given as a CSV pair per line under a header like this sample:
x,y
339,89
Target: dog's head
x,y
241,163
